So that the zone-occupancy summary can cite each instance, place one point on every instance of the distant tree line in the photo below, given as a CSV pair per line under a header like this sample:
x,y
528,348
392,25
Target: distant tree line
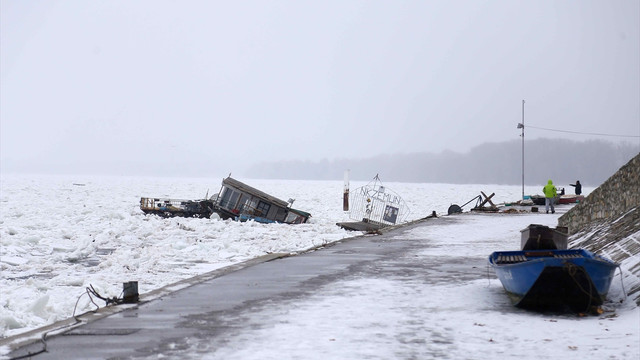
x,y
563,161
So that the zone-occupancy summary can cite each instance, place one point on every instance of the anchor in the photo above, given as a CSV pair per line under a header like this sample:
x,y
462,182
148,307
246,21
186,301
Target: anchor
x,y
480,204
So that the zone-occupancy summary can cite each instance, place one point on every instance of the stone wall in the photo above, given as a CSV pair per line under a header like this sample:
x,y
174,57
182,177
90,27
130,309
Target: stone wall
x,y
607,222
619,194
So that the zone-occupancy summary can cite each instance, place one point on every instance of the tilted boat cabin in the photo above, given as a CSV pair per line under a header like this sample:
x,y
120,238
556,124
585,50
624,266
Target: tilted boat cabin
x,y
239,201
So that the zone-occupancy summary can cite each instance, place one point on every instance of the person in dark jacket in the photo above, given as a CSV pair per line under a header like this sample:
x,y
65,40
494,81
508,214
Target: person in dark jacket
x,y
578,187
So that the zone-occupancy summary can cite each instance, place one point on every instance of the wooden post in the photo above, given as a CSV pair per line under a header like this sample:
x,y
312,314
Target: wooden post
x,y
345,196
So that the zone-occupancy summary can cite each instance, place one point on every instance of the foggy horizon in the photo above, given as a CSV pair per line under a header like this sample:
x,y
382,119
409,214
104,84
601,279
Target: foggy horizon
x,y
205,88
499,163
592,162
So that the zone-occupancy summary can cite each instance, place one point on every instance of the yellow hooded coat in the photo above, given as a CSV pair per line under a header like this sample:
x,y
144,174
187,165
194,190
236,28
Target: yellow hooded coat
x,y
549,190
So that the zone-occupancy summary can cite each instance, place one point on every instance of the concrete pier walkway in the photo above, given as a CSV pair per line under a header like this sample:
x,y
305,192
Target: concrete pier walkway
x,y
173,325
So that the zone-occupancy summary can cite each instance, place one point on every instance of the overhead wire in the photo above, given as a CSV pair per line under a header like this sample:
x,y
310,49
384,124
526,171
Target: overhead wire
x,y
582,133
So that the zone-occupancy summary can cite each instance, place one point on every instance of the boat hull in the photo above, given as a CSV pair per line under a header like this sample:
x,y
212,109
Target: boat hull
x,y
570,199
554,279
537,199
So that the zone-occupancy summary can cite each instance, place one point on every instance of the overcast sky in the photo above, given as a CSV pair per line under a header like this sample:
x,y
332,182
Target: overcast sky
x,y
219,85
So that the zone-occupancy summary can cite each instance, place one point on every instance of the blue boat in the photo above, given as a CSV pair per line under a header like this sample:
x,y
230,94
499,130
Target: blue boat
x,y
552,279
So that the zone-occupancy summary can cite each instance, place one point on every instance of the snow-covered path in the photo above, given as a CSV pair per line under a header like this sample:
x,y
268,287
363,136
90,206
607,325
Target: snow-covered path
x,y
417,292
438,303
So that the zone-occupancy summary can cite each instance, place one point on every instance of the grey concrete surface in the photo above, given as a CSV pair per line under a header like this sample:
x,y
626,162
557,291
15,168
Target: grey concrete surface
x,y
197,313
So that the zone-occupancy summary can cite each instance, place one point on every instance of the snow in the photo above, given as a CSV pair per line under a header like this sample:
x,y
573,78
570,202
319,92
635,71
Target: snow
x,y
447,320
61,234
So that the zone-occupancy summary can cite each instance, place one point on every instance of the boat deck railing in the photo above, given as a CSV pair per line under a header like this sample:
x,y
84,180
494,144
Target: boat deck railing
x,y
163,204
510,259
176,207
518,258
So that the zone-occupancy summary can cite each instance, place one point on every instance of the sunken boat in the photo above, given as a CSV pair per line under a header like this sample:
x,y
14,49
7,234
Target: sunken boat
x,y
545,275
176,207
235,200
373,207
239,201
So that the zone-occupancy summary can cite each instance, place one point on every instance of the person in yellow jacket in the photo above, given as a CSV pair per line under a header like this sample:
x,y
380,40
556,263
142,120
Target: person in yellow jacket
x,y
550,193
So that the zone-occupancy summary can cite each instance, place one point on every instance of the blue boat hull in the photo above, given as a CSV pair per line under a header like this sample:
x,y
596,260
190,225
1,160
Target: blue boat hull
x,y
577,279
